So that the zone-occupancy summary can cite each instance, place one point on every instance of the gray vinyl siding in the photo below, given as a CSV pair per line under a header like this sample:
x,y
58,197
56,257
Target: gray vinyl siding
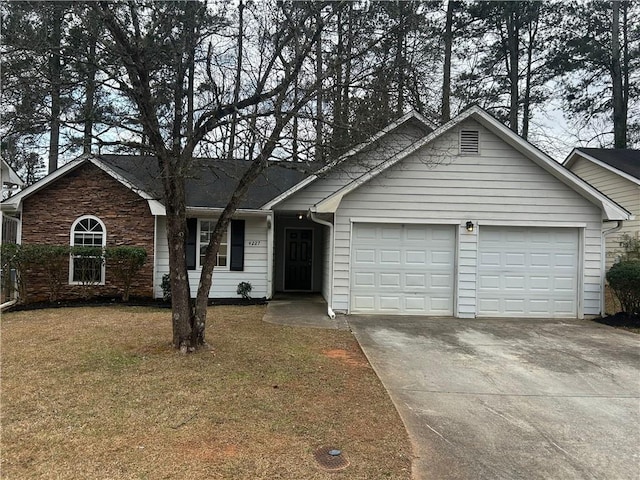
x,y
386,147
225,282
619,189
499,186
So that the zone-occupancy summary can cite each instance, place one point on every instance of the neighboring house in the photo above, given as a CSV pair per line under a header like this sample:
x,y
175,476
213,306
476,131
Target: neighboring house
x,y
616,173
465,220
11,182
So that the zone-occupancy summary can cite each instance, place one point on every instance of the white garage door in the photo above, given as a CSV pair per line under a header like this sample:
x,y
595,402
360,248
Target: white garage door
x,y
528,272
402,269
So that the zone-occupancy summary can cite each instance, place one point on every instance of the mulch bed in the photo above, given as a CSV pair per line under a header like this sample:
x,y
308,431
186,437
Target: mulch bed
x,y
133,302
621,319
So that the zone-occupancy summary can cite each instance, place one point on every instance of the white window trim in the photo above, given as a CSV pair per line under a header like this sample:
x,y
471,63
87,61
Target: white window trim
x,y
227,267
72,243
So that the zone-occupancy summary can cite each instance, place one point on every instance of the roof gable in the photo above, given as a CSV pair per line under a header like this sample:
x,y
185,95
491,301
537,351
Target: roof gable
x,y
412,117
624,162
611,209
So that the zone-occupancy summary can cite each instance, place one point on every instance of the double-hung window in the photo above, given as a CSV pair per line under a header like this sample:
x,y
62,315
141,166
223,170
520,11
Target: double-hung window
x,y
88,234
206,233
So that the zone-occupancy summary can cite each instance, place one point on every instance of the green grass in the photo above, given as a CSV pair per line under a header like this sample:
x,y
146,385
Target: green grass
x,y
99,393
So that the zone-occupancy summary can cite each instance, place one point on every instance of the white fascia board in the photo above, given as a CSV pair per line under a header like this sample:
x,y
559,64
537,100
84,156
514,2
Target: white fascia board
x,y
351,152
577,153
215,212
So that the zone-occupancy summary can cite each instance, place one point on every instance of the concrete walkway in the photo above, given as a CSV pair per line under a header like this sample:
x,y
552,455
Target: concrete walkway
x,y
511,399
301,310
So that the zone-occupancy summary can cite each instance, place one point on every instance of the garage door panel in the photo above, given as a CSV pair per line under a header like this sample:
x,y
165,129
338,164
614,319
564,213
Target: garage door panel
x,y
415,304
416,280
390,257
414,257
390,233
365,256
389,303
410,270
441,281
390,280
528,271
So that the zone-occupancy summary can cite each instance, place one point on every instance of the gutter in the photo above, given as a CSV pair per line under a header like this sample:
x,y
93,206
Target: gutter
x,y
8,304
312,216
605,234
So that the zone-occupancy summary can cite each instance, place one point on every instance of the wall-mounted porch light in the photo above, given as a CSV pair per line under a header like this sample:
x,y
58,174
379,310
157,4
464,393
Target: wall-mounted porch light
x,y
469,226
300,216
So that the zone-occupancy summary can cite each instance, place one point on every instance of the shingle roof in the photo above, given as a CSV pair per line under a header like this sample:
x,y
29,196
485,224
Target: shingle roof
x,y
624,159
211,182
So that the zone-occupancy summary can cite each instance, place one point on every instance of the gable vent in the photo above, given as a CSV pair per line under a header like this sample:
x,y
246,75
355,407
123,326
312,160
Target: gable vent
x,y
469,141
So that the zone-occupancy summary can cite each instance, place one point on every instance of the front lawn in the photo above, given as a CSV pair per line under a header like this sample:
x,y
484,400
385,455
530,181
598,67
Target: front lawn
x,y
97,392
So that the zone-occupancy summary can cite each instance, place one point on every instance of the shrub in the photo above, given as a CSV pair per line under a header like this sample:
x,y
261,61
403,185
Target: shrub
x,y
87,261
624,280
166,287
54,261
630,248
124,263
244,289
10,263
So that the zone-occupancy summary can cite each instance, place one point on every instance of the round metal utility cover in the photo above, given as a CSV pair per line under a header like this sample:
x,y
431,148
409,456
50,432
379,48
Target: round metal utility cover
x,y
330,462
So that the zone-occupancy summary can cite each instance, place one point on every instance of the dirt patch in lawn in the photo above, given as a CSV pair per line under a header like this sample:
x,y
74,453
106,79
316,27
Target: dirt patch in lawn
x,y
351,358
98,392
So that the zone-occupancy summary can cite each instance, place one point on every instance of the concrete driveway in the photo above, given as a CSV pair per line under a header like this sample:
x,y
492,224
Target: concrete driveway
x,y
509,399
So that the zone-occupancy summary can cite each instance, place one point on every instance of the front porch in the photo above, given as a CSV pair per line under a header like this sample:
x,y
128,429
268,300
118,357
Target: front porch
x,y
301,255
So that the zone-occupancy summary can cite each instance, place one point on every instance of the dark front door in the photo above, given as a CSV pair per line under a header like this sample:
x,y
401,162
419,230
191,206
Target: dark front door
x,y
298,259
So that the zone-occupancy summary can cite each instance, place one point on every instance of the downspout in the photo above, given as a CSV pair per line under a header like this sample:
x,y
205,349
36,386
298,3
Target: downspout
x,y
603,247
314,218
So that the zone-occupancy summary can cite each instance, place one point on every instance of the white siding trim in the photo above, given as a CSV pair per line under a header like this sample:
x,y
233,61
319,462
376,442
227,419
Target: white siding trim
x,y
467,273
270,254
522,223
425,221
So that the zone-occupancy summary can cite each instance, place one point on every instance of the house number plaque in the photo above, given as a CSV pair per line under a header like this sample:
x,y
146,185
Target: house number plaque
x,y
254,243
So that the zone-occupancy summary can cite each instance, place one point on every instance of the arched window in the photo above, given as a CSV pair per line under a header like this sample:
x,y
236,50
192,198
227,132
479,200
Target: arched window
x,y
88,233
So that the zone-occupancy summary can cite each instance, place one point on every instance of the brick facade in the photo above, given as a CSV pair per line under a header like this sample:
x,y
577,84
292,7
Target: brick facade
x,y
48,214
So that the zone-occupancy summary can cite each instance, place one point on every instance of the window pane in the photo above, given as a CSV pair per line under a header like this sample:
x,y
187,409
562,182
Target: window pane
x,y
87,270
206,229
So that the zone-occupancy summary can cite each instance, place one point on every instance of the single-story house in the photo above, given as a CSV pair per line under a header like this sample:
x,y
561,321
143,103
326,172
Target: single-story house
x,y
466,220
616,173
11,182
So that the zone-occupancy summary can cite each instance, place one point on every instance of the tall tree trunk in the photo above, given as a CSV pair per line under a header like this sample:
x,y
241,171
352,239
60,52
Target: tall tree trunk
x,y
55,77
400,64
513,55
526,101
446,76
346,99
619,114
319,154
190,25
236,88
337,141
181,305
90,85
